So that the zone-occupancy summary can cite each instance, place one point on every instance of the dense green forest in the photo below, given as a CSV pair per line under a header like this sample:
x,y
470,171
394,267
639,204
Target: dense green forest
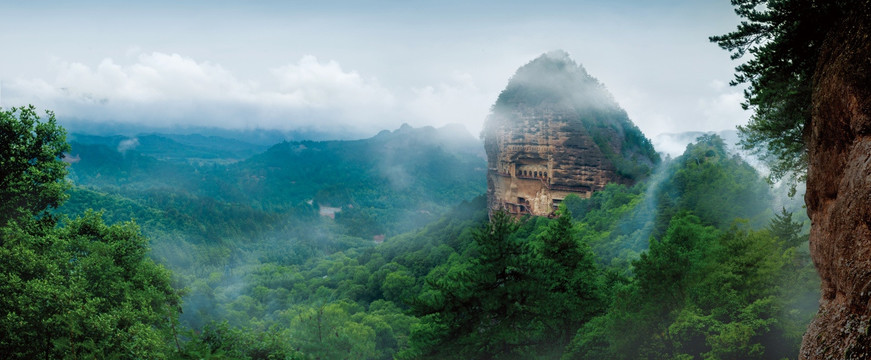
x,y
692,263
206,216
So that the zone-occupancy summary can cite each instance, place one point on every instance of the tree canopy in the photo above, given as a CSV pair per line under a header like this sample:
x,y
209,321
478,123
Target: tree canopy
x,y
76,288
31,170
663,269
783,39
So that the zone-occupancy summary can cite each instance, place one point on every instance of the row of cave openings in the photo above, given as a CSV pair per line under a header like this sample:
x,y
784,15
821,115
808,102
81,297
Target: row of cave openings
x,y
524,170
532,174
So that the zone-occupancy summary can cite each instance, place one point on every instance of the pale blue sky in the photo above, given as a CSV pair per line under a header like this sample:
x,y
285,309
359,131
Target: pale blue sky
x,y
333,65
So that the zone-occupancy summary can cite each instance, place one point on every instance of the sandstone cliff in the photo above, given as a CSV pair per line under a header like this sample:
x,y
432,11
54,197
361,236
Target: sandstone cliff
x,y
839,193
555,131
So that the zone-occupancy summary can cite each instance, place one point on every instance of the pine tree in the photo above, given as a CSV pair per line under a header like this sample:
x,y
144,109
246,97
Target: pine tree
x,y
783,228
784,39
481,308
566,267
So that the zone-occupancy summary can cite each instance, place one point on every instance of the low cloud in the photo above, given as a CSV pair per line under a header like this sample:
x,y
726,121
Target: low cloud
x,y
458,100
159,89
722,109
310,94
325,85
127,144
154,77
715,106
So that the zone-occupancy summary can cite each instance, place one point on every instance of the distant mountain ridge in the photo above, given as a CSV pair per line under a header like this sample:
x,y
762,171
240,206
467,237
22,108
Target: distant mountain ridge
x,y
235,145
254,135
409,175
175,147
407,160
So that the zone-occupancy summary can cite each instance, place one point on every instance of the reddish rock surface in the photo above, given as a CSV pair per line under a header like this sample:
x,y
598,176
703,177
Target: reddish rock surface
x,y
555,131
539,158
839,194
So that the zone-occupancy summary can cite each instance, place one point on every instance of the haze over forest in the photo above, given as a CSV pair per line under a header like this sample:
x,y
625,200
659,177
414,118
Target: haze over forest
x,y
278,180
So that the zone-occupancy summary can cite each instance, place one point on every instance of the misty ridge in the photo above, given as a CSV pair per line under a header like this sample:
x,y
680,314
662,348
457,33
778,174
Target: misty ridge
x,y
323,245
555,80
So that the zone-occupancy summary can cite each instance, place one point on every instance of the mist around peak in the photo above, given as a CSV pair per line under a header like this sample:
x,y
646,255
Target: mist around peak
x,y
552,95
554,80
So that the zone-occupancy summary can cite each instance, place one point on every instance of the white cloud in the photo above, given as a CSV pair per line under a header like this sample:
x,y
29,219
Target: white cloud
x,y
127,144
171,89
651,58
154,77
323,85
458,101
722,109
164,89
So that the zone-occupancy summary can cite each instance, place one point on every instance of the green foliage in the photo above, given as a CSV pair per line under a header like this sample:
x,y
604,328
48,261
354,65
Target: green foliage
x,y
783,38
404,171
388,184
221,341
85,289
716,186
246,237
785,229
31,170
566,267
702,292
618,221
270,278
523,291
357,297
476,307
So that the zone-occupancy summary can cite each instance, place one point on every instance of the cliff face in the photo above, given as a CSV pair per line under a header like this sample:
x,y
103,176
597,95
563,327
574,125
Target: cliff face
x,y
556,131
839,194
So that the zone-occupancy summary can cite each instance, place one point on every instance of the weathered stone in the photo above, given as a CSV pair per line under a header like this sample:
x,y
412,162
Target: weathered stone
x,y
839,193
556,131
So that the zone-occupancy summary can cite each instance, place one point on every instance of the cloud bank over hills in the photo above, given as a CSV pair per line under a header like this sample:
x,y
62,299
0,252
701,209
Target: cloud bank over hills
x,y
356,67
165,90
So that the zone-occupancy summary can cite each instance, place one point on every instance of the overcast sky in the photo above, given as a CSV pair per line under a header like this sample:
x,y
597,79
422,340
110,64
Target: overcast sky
x,y
349,66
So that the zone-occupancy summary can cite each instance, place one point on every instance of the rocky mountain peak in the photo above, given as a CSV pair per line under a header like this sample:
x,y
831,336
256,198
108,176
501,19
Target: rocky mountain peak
x,y
554,131
554,80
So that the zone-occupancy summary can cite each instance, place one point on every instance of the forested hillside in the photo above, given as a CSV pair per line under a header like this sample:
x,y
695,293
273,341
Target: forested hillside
x,y
209,217
239,180
388,184
579,286
691,263
71,287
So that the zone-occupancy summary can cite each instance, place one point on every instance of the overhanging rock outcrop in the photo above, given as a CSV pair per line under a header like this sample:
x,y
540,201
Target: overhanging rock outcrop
x,y
839,191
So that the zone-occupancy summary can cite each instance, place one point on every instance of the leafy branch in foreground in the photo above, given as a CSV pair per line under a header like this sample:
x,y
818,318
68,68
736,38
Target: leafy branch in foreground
x,y
31,171
783,39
